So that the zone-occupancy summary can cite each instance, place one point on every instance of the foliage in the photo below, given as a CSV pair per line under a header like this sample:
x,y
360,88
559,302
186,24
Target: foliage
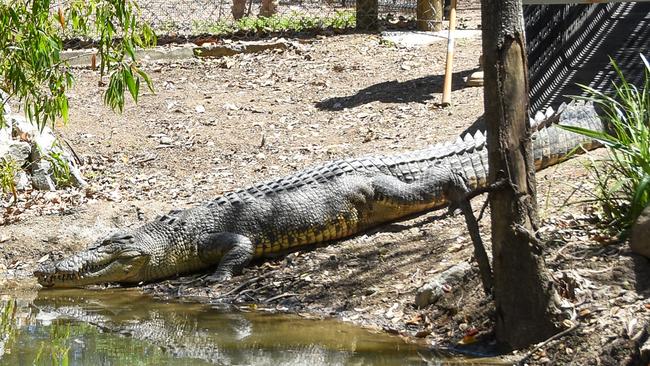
x,y
293,22
58,345
8,171
624,180
60,169
7,324
31,67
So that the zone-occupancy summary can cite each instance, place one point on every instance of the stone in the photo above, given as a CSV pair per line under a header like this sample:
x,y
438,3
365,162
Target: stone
x,y
5,132
45,140
77,178
411,39
644,350
435,289
222,50
640,238
52,197
5,105
475,79
22,181
17,151
22,128
41,176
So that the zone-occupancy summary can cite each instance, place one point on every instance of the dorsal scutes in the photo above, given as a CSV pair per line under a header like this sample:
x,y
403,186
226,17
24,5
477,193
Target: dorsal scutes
x,y
459,145
479,139
409,165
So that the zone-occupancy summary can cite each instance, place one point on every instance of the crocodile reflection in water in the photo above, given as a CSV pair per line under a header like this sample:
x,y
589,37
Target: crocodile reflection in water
x,y
201,332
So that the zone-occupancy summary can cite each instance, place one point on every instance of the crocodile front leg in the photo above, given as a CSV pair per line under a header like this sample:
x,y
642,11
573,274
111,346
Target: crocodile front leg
x,y
232,251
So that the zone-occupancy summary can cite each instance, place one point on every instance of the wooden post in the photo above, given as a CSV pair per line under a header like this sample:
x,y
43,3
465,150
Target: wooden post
x,y
429,15
367,14
449,72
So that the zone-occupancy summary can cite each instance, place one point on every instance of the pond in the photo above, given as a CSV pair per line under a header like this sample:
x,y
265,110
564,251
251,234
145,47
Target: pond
x,y
126,327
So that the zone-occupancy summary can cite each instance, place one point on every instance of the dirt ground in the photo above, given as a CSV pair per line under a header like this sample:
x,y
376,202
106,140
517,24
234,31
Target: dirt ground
x,y
216,125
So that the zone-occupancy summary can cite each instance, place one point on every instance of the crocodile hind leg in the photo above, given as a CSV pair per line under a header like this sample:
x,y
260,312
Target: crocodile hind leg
x,y
233,251
434,186
438,182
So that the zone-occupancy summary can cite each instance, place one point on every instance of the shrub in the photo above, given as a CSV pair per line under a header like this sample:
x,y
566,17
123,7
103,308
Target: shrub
x,y
623,181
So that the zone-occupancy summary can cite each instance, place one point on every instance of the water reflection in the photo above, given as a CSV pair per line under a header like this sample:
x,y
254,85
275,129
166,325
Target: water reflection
x,y
121,326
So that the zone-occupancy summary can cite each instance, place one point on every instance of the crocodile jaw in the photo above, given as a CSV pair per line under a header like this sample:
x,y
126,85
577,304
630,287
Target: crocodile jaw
x,y
94,266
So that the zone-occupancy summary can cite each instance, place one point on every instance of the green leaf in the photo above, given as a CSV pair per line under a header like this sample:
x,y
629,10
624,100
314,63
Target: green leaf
x,y
64,109
147,79
602,137
131,83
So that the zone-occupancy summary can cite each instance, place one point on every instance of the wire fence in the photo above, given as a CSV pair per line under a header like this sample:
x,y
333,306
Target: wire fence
x,y
191,17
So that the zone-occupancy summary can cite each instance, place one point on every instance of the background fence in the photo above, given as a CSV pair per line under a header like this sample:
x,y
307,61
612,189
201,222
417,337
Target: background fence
x,y
187,17
570,44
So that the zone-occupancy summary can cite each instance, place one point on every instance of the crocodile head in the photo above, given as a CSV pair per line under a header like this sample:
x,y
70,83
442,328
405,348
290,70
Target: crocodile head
x,y
120,258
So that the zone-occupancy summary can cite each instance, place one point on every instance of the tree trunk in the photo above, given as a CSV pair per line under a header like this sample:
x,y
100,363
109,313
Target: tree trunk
x,y
269,8
429,15
238,9
367,15
523,291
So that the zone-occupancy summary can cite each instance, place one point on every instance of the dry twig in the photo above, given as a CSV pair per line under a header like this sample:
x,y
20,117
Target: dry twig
x,y
551,339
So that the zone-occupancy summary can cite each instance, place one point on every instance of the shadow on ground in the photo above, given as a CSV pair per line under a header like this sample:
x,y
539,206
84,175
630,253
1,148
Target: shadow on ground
x,y
415,90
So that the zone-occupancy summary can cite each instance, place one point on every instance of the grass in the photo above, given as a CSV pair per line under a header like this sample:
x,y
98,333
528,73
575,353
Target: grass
x,y
292,22
60,169
57,346
8,171
623,181
8,323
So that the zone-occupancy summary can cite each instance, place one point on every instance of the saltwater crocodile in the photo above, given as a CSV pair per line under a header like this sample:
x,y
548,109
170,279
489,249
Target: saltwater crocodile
x,y
328,202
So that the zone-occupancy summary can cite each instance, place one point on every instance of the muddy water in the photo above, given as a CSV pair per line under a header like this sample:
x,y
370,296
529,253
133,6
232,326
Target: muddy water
x,y
125,327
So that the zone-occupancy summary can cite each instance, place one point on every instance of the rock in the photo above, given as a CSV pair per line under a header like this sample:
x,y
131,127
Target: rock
x,y
77,178
41,176
5,133
22,181
52,197
222,50
21,126
23,129
644,350
475,79
434,290
17,151
217,51
640,238
45,140
3,100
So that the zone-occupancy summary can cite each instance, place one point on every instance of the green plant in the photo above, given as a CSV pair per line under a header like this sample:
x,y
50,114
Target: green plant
x,y
292,22
58,345
624,180
8,171
7,323
32,70
60,169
